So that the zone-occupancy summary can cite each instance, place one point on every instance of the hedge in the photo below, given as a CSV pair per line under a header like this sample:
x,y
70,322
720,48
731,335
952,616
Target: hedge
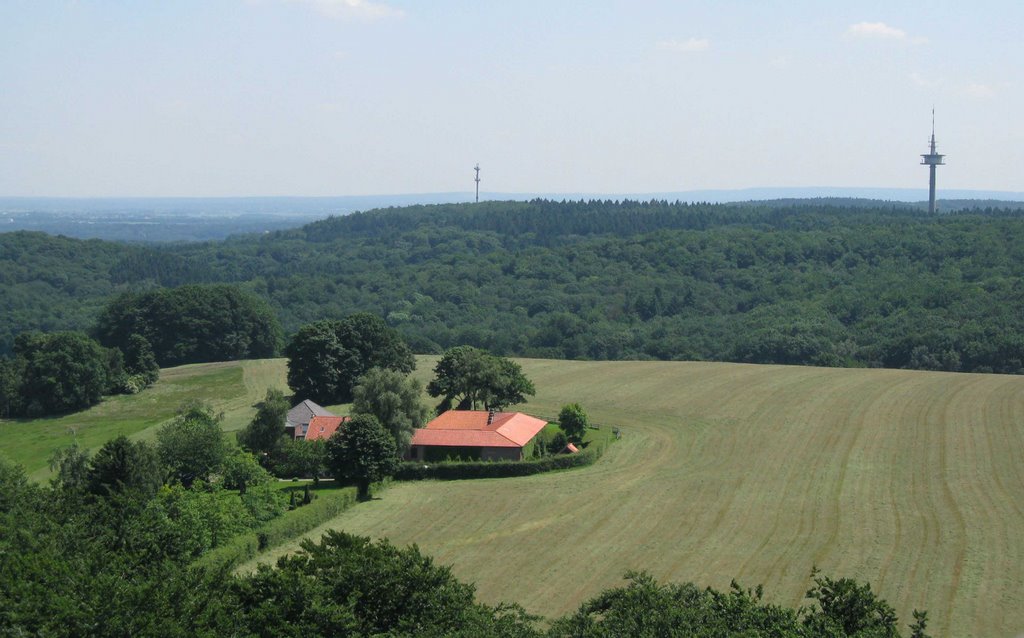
x,y
452,470
326,505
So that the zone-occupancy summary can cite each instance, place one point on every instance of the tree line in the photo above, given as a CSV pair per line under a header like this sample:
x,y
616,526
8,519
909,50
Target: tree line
x,y
787,282
54,373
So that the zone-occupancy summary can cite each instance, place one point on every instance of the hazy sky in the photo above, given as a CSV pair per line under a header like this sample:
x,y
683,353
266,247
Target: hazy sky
x,y
345,97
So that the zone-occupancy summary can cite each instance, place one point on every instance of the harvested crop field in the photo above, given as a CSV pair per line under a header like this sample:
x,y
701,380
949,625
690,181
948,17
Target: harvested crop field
x,y
913,481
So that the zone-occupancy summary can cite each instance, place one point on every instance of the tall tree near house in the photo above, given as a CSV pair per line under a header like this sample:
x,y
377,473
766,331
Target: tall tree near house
x,y
362,451
326,357
263,434
468,378
394,399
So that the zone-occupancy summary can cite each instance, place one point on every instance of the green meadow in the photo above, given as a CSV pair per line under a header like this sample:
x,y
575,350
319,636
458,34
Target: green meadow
x,y
232,387
913,481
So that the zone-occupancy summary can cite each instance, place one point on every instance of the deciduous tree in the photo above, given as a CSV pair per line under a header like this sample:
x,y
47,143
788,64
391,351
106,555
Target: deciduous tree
x,y
394,399
63,372
192,446
263,434
362,451
469,378
192,323
125,466
326,357
574,422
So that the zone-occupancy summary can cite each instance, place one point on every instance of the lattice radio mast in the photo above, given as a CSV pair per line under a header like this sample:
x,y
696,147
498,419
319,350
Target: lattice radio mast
x,y
477,169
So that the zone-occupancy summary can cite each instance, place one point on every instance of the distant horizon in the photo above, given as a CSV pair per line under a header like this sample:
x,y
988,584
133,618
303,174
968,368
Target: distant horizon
x,y
11,203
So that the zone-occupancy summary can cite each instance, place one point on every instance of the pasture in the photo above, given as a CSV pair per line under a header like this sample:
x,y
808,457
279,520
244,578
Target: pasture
x,y
913,481
232,387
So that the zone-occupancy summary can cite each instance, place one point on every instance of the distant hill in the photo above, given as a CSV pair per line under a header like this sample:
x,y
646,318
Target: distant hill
x,y
822,282
179,219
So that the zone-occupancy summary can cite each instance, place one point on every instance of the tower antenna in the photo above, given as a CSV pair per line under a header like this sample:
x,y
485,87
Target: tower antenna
x,y
477,169
931,160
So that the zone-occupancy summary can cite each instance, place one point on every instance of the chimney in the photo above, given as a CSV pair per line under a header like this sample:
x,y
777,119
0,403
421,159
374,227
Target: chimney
x,y
490,416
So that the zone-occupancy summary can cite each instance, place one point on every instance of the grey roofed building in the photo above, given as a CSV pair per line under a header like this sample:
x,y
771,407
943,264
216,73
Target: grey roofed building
x,y
297,421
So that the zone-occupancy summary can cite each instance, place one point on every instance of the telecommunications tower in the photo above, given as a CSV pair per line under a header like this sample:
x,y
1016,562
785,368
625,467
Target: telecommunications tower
x,y
931,160
477,169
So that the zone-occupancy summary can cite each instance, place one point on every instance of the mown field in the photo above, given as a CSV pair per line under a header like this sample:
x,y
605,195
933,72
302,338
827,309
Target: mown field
x,y
232,388
913,481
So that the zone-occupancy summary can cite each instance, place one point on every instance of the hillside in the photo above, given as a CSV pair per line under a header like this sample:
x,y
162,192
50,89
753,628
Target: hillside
x,y
910,480
232,387
778,282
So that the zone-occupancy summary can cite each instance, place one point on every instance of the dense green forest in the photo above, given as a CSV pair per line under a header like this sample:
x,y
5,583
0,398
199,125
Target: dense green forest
x,y
780,282
192,324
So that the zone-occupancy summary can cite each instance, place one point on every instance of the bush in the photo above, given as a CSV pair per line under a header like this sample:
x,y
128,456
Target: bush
x,y
279,530
415,471
574,422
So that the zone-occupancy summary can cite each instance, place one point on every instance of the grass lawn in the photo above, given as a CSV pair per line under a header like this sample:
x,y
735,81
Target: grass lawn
x,y
912,481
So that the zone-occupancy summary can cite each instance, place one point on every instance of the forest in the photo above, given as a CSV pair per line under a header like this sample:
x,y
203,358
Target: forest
x,y
814,283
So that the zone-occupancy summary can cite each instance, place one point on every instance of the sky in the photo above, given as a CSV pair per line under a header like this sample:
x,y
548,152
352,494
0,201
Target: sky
x,y
208,98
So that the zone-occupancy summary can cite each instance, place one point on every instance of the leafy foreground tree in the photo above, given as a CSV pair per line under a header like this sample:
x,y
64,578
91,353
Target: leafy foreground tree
x,y
191,446
125,466
349,586
646,609
263,434
300,459
362,451
114,565
574,422
326,357
111,564
394,399
469,378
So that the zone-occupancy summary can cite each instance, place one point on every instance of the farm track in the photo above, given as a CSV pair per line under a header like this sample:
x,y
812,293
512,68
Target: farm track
x,y
912,481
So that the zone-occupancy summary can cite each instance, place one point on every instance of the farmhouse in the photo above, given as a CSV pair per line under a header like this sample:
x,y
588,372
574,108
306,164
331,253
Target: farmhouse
x,y
298,419
475,434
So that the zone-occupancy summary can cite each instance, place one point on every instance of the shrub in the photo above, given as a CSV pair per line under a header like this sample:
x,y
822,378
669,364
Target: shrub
x,y
415,471
574,422
279,530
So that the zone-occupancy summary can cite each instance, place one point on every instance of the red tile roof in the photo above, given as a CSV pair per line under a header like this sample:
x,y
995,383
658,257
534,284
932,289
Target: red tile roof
x,y
322,427
461,438
470,428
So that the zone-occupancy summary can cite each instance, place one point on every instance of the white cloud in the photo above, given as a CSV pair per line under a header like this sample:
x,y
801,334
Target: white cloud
x,y
882,31
981,91
352,9
925,82
876,30
690,45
